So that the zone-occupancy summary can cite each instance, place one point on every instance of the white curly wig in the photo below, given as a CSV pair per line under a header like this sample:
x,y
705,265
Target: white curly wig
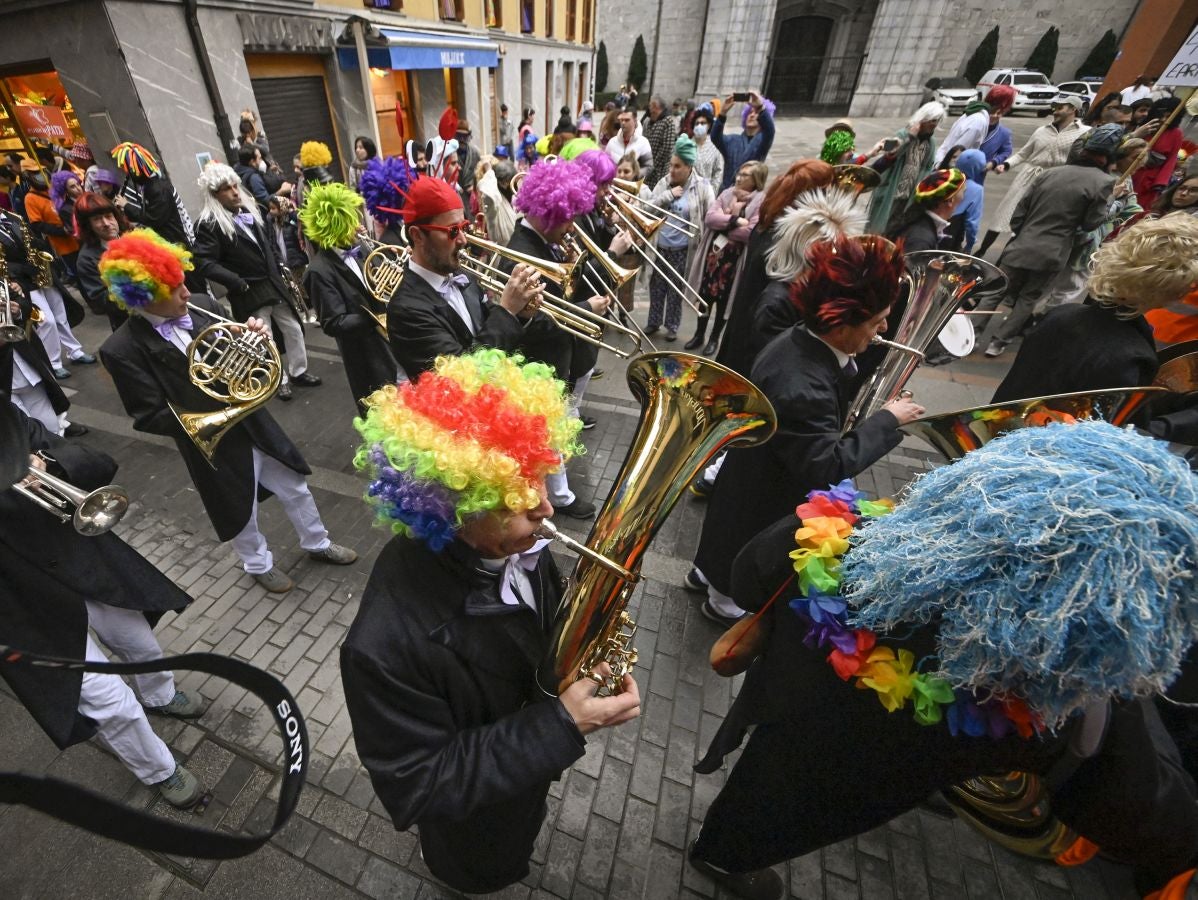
x,y
214,177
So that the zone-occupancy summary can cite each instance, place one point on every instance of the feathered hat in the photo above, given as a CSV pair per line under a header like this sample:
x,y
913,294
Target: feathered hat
x,y
823,214
847,281
477,433
141,267
331,215
383,183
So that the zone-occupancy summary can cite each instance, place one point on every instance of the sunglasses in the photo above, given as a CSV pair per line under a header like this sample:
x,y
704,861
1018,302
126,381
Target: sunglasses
x,y
452,230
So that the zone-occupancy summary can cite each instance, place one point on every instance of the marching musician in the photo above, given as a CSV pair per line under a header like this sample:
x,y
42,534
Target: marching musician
x,y
336,284
234,248
809,374
439,665
551,197
438,309
56,583
147,359
978,629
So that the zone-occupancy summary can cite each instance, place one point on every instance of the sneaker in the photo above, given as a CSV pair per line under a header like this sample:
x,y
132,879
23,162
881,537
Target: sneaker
x,y
75,430
996,348
693,581
579,509
182,789
60,373
274,581
181,706
334,554
652,330
702,488
671,335
84,359
285,392
711,614
588,422
597,374
762,884
306,379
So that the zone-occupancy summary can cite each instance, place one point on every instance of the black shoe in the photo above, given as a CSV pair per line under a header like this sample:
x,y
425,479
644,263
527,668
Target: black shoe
x,y
692,582
702,488
711,347
285,391
709,612
579,509
306,379
763,884
76,430
588,422
694,343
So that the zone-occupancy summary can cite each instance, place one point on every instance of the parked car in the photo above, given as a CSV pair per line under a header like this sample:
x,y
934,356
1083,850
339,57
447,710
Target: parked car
x,y
951,90
1033,91
1087,90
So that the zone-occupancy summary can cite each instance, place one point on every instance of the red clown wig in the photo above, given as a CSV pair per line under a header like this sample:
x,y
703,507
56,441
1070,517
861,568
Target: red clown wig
x,y
847,281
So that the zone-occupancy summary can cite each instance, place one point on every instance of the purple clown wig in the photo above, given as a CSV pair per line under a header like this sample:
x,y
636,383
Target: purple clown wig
x,y
58,186
602,169
766,105
555,192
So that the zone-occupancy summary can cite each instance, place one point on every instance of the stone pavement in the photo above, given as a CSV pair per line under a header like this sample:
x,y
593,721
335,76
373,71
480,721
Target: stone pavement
x,y
619,821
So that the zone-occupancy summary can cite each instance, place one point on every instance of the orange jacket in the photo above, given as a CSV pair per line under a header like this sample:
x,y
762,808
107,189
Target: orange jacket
x,y
39,209
1176,322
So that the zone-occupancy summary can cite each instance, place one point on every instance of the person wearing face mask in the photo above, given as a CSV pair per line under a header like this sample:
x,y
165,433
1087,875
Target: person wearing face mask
x,y
709,161
904,162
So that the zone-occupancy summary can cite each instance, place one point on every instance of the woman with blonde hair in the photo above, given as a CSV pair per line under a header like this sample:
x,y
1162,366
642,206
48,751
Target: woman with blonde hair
x,y
720,259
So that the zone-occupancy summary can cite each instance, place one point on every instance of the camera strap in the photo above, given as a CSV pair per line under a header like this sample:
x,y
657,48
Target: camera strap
x,y
108,817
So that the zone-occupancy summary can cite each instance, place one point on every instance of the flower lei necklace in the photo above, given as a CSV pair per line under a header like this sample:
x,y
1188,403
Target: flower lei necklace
x,y
827,521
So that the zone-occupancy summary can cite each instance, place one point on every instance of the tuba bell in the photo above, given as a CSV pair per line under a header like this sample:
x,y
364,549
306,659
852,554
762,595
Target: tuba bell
x,y
233,365
855,179
940,281
691,409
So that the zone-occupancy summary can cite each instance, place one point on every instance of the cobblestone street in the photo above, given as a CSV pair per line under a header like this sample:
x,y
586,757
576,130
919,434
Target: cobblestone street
x,y
619,821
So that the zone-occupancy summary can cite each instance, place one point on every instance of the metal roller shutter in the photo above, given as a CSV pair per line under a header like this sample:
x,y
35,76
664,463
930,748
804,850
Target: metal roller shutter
x,y
294,110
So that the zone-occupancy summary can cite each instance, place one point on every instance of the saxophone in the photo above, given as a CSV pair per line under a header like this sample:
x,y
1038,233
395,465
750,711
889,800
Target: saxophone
x,y
40,259
691,409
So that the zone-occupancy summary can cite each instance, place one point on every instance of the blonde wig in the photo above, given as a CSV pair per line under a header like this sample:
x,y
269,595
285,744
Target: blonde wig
x,y
1152,264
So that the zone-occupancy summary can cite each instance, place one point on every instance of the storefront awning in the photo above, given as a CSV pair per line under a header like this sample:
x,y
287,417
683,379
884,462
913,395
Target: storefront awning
x,y
424,50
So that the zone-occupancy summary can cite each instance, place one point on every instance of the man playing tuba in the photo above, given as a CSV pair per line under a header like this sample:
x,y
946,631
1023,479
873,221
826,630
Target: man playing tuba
x,y
148,360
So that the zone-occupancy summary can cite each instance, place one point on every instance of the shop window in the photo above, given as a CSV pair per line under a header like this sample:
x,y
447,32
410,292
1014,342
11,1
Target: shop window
x,y
571,19
528,16
453,10
493,10
588,19
35,111
549,17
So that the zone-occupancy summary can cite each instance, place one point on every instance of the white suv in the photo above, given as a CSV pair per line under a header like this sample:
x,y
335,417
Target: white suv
x,y
1033,91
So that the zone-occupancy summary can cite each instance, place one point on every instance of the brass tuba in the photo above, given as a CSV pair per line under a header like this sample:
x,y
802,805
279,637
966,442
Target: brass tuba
x,y
231,364
941,281
691,409
855,179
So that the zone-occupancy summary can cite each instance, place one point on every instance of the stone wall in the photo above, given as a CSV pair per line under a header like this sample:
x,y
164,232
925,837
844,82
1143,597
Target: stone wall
x,y
910,42
617,24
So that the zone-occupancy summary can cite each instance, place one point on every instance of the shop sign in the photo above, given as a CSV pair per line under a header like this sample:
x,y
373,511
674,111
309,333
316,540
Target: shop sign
x,y
285,34
45,123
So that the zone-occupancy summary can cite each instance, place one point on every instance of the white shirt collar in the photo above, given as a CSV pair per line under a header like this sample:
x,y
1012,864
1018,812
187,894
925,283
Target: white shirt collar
x,y
842,358
435,280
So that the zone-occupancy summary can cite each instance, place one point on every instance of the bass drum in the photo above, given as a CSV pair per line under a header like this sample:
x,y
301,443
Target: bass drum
x,y
957,337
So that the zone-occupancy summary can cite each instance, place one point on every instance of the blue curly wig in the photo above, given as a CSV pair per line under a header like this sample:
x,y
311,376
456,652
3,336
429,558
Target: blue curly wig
x,y
382,181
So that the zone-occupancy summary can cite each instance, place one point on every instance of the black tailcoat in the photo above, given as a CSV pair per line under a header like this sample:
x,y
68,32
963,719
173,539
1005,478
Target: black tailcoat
x,y
247,269
47,570
340,298
421,325
827,761
738,349
149,371
34,353
802,379
551,345
447,717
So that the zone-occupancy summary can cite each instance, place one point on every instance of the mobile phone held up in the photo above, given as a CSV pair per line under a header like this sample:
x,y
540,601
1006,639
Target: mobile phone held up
x,y
740,97
890,145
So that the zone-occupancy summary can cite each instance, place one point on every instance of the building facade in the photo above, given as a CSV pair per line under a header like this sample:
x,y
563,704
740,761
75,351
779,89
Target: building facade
x,y
175,75
867,57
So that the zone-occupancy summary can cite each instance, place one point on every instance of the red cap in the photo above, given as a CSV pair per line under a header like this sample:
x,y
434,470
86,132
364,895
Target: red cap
x,y
427,198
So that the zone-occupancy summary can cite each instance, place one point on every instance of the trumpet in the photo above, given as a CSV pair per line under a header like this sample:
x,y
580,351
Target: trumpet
x,y
296,297
642,225
90,512
383,270
580,322
233,365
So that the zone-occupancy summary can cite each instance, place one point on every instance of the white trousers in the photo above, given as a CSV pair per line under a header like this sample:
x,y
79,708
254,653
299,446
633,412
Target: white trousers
x,y
109,702
720,602
293,333
55,330
557,485
34,403
292,490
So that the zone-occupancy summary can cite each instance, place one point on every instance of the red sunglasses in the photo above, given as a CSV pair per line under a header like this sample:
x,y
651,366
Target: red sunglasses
x,y
452,230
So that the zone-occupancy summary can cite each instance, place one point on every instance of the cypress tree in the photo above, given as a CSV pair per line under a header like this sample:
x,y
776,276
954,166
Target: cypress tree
x,y
1099,61
638,65
983,57
601,68
1044,55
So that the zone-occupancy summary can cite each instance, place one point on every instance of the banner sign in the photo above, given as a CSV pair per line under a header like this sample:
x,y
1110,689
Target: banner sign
x,y
1182,70
46,123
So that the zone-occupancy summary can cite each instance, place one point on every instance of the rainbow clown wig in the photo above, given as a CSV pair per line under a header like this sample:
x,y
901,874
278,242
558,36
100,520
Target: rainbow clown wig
x,y
847,281
331,215
140,268
134,159
555,192
478,433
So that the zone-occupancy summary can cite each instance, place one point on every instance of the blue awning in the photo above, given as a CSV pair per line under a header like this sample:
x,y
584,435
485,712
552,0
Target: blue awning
x,y
424,50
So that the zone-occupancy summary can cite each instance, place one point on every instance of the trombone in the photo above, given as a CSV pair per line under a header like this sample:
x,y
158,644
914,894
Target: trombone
x,y
91,513
642,225
574,319
633,190
577,243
